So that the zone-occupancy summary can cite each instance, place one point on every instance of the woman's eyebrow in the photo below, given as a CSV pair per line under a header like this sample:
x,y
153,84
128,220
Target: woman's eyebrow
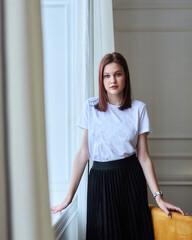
x,y
114,72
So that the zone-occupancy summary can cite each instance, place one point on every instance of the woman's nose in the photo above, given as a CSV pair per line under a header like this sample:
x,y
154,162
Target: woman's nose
x,y
113,79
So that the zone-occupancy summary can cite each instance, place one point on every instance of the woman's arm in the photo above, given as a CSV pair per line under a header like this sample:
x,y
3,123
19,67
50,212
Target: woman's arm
x,y
79,164
149,172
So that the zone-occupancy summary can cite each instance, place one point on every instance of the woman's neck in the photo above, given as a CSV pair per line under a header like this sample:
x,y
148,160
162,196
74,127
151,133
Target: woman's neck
x,y
115,99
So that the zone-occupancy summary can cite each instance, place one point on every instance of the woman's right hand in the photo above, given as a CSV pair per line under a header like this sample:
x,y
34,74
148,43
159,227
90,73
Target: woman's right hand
x,y
61,206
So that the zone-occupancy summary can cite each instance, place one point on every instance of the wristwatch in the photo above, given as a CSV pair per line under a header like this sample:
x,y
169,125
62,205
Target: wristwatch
x,y
157,193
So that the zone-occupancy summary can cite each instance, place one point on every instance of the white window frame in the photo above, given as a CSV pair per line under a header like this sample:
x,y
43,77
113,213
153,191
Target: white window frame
x,y
71,48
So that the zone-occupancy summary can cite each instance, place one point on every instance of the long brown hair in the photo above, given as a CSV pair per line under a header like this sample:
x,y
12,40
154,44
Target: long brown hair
x,y
103,98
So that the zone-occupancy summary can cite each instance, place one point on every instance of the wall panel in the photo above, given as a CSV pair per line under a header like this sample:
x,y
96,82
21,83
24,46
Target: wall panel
x,y
155,37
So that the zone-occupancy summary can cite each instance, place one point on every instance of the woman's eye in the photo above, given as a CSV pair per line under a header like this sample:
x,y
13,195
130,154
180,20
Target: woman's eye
x,y
106,76
118,74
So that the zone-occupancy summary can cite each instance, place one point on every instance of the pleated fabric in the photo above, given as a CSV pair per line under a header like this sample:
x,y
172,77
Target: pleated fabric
x,y
117,204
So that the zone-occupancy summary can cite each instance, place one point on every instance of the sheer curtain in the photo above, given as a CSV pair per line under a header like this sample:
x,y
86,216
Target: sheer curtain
x,y
82,93
101,37
101,41
30,214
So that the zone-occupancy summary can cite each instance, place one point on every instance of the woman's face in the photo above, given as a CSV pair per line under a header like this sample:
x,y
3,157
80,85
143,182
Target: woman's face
x,y
114,79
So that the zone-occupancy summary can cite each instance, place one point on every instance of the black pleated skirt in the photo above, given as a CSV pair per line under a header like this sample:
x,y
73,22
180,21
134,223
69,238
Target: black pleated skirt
x,y
117,204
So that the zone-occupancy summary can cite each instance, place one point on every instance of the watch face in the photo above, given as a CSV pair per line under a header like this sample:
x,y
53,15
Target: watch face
x,y
157,193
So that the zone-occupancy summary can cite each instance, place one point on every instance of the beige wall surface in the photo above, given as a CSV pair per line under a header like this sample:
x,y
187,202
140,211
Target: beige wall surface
x,y
155,37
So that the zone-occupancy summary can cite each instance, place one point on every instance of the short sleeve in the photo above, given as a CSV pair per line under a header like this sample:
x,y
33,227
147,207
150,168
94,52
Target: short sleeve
x,y
144,123
82,121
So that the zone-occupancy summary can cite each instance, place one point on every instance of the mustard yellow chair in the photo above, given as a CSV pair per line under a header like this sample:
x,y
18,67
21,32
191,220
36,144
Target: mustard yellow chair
x,y
178,227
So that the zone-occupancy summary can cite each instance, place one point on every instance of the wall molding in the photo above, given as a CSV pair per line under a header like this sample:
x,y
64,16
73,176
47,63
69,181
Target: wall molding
x,y
171,157
155,29
175,183
170,137
127,7
152,18
175,178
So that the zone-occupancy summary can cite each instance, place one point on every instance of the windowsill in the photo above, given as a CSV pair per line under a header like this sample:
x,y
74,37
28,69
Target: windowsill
x,y
61,220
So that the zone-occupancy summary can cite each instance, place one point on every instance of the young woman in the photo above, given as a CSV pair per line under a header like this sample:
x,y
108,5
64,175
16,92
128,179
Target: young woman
x,y
115,138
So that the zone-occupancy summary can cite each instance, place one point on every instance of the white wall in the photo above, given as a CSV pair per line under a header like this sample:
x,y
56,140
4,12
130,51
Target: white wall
x,y
156,38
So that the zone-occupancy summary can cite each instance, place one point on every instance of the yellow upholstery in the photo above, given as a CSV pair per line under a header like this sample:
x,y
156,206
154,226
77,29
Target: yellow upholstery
x,y
178,227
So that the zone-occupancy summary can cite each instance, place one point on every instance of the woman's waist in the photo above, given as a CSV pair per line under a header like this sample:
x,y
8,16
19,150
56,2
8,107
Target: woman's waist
x,y
119,163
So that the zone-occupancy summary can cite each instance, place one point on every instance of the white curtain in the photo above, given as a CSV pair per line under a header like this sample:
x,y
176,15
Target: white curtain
x,y
30,215
82,70
101,41
30,211
102,38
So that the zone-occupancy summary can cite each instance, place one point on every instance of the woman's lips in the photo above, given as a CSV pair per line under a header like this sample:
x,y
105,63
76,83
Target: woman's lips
x,y
114,87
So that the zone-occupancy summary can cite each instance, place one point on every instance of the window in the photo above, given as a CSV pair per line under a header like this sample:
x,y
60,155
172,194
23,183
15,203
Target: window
x,y
66,59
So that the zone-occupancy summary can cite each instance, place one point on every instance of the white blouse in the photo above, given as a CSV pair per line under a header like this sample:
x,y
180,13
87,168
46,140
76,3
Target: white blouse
x,y
113,134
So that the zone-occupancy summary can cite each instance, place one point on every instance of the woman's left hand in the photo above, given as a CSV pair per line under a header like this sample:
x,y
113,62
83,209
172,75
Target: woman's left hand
x,y
166,207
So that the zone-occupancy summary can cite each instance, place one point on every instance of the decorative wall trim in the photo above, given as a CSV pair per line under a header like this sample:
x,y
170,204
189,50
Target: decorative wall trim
x,y
175,177
175,180
65,219
171,157
170,137
155,29
162,20
127,7
175,183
